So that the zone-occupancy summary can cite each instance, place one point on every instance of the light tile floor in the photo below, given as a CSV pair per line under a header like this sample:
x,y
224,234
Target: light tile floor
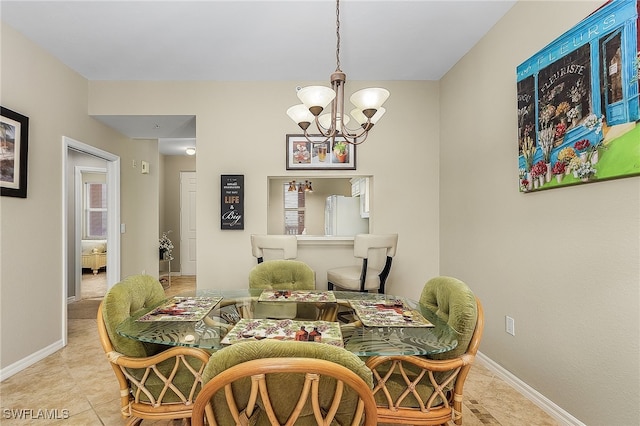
x,y
79,379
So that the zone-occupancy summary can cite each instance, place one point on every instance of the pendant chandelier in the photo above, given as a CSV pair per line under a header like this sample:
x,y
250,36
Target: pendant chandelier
x,y
315,99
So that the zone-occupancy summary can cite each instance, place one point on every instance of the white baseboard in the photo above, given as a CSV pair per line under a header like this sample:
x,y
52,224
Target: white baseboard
x,y
530,393
17,367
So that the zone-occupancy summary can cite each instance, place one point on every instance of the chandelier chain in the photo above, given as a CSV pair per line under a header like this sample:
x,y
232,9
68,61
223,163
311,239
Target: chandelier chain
x,y
338,36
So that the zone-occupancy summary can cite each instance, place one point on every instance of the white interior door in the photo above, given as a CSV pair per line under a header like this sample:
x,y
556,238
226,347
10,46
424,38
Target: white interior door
x,y
187,223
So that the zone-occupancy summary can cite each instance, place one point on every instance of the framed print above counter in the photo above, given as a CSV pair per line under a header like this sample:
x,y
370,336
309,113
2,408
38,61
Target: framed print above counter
x,y
320,153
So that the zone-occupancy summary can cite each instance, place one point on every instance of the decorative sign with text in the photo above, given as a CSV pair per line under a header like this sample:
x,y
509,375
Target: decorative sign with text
x,y
232,202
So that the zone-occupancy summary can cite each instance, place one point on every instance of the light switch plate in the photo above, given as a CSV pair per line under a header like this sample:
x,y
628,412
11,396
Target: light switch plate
x,y
145,167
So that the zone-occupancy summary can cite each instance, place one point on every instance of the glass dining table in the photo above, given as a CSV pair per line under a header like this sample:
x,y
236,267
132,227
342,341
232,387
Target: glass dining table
x,y
366,324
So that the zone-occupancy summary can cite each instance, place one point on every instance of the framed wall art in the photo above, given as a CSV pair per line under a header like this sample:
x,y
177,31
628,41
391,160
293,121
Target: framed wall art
x,y
14,141
578,103
231,201
319,154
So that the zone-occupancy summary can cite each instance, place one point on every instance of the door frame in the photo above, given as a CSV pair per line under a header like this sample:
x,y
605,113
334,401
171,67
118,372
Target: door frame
x,y
113,218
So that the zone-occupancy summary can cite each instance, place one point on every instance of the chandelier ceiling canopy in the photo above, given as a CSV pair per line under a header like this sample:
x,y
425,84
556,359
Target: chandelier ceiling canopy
x,y
315,99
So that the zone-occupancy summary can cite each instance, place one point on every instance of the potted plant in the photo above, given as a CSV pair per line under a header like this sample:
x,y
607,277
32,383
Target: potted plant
x,y
581,147
538,172
585,171
574,163
340,151
166,246
566,155
558,170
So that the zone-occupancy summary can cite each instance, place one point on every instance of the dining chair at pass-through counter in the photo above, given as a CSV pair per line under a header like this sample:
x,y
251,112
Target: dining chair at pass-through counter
x,y
377,252
274,246
270,382
156,383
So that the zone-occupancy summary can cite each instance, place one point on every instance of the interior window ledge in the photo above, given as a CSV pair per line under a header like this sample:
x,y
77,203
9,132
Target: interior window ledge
x,y
324,240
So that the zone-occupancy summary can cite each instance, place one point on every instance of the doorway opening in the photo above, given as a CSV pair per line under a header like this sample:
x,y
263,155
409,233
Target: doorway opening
x,y
75,153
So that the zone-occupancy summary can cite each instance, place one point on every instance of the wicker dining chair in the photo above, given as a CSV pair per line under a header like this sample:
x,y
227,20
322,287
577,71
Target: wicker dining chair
x,y
420,390
156,383
272,382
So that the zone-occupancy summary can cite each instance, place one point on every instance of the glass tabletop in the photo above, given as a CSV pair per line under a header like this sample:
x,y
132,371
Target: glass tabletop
x,y
359,339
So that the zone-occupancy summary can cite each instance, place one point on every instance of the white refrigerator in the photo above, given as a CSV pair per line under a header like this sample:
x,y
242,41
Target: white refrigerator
x,y
342,216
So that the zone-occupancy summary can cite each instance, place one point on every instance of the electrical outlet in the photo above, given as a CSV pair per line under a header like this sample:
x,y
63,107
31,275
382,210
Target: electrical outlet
x,y
510,325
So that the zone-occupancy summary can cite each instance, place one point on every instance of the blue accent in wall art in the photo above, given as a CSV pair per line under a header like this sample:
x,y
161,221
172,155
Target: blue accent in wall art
x,y
578,103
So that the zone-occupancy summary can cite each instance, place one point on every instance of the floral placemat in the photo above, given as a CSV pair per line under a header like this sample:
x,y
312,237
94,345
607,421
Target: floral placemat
x,y
258,329
380,314
182,309
310,296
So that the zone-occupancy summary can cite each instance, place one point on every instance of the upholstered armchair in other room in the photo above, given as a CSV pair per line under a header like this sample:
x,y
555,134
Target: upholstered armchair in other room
x,y
274,247
282,275
271,382
418,390
376,252
156,382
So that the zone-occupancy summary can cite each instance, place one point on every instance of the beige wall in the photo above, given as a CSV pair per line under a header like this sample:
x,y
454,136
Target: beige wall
x,y
563,263
31,295
172,165
402,157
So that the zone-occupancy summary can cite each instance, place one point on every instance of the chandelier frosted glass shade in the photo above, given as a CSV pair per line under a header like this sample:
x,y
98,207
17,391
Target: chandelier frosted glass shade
x,y
325,120
362,119
369,99
316,98
301,115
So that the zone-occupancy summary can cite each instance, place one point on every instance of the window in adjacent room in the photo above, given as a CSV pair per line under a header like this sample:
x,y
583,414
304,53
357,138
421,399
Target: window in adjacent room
x,y
95,218
294,209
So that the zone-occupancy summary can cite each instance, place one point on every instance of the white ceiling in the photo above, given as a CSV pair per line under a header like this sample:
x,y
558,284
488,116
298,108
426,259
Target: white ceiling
x,y
262,40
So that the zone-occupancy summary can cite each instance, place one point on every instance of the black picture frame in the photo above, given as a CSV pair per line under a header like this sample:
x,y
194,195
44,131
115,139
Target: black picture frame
x,y
317,153
231,201
14,144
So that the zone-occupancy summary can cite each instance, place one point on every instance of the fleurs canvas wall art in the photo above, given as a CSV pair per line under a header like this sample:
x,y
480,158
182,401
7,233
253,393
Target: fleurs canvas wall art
x,y
578,103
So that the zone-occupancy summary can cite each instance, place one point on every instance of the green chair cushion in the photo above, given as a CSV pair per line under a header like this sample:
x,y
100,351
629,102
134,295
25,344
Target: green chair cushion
x,y
183,379
128,296
285,386
453,301
283,275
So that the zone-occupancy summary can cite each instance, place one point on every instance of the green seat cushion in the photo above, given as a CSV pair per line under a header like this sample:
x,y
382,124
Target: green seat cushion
x,y
130,295
183,380
454,302
284,388
283,275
